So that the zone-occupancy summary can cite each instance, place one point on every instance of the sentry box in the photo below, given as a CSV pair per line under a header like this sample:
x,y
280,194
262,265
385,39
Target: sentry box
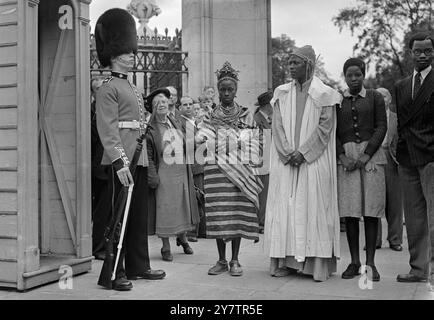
x,y
45,187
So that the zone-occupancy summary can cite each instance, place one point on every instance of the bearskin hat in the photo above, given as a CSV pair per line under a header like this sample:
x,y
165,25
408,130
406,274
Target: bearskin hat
x,y
115,34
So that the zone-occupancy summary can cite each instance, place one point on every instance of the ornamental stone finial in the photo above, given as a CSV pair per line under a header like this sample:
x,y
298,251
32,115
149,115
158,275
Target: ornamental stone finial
x,y
144,10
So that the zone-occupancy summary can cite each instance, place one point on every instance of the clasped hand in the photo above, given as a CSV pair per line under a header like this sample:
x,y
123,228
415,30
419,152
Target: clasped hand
x,y
351,164
125,176
296,159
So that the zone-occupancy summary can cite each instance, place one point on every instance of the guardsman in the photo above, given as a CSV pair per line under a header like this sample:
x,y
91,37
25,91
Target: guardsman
x,y
120,121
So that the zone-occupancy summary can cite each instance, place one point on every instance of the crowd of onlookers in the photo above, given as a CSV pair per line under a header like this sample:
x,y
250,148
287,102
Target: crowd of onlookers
x,y
180,109
354,155
195,110
369,172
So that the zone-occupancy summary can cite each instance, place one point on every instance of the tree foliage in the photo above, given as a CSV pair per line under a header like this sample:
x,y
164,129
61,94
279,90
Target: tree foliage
x,y
383,27
281,48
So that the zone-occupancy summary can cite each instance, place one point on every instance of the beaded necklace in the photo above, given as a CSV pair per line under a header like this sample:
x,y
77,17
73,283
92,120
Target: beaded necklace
x,y
226,116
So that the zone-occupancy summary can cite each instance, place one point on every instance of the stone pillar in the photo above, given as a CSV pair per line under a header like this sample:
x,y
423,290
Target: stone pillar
x,y
84,189
239,31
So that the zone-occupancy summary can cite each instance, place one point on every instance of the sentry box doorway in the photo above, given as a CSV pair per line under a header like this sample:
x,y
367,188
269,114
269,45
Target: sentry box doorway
x,y
45,188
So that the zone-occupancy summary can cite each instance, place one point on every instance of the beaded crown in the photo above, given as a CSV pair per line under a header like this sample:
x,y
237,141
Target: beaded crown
x,y
227,73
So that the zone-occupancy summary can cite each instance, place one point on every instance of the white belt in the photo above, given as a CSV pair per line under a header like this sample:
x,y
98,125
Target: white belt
x,y
133,125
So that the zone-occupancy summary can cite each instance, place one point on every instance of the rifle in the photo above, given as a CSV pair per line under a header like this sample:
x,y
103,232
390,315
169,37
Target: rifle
x,y
115,229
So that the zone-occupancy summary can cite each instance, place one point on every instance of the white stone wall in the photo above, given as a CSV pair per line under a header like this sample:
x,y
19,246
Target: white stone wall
x,y
238,31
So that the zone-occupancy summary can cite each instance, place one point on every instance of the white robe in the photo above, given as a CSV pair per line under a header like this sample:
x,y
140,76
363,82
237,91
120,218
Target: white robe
x,y
302,218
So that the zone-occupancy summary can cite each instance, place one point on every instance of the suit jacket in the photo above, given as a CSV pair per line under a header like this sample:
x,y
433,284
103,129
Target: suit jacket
x,y
177,116
261,121
415,122
392,135
189,131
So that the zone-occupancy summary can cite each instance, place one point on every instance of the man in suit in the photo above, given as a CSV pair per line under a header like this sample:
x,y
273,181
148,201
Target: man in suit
x,y
189,129
394,202
263,117
414,98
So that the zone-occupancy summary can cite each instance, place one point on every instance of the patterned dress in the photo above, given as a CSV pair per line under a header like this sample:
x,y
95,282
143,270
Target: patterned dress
x,y
231,190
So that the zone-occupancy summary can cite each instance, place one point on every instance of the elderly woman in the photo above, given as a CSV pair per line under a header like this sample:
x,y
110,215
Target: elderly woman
x,y
361,128
170,176
231,187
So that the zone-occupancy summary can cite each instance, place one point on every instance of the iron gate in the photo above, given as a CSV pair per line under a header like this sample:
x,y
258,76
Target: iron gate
x,y
157,64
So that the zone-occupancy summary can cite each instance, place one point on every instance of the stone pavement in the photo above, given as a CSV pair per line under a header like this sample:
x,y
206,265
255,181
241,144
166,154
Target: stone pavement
x,y
187,279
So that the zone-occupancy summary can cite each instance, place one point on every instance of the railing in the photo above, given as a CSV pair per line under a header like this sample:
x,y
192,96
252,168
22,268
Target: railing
x,y
159,62
156,41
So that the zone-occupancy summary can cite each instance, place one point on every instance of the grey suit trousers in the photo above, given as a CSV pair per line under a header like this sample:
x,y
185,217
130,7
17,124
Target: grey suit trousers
x,y
418,190
394,202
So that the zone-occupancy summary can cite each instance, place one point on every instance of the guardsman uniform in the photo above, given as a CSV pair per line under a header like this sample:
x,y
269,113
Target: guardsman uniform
x,y
120,121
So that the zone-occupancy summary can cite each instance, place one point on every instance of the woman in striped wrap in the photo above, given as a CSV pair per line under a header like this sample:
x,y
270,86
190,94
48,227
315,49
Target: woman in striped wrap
x,y
231,142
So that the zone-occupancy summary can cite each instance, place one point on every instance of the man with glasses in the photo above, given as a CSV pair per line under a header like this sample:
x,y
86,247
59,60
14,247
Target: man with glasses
x,y
414,97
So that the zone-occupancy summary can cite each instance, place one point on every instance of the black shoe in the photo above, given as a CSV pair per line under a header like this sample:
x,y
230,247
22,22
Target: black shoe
x,y
396,247
192,239
185,246
122,284
410,278
375,274
352,271
149,275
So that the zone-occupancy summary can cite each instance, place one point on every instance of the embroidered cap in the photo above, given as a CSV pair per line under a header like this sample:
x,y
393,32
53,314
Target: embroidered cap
x,y
306,53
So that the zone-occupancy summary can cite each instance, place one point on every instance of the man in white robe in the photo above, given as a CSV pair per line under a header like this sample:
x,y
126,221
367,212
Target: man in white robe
x,y
302,220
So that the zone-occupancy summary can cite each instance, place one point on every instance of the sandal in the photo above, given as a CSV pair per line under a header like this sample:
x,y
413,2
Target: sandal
x,y
281,272
220,267
236,269
166,255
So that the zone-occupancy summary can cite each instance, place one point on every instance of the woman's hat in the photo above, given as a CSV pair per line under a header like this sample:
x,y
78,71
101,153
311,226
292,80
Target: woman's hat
x,y
151,96
264,98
